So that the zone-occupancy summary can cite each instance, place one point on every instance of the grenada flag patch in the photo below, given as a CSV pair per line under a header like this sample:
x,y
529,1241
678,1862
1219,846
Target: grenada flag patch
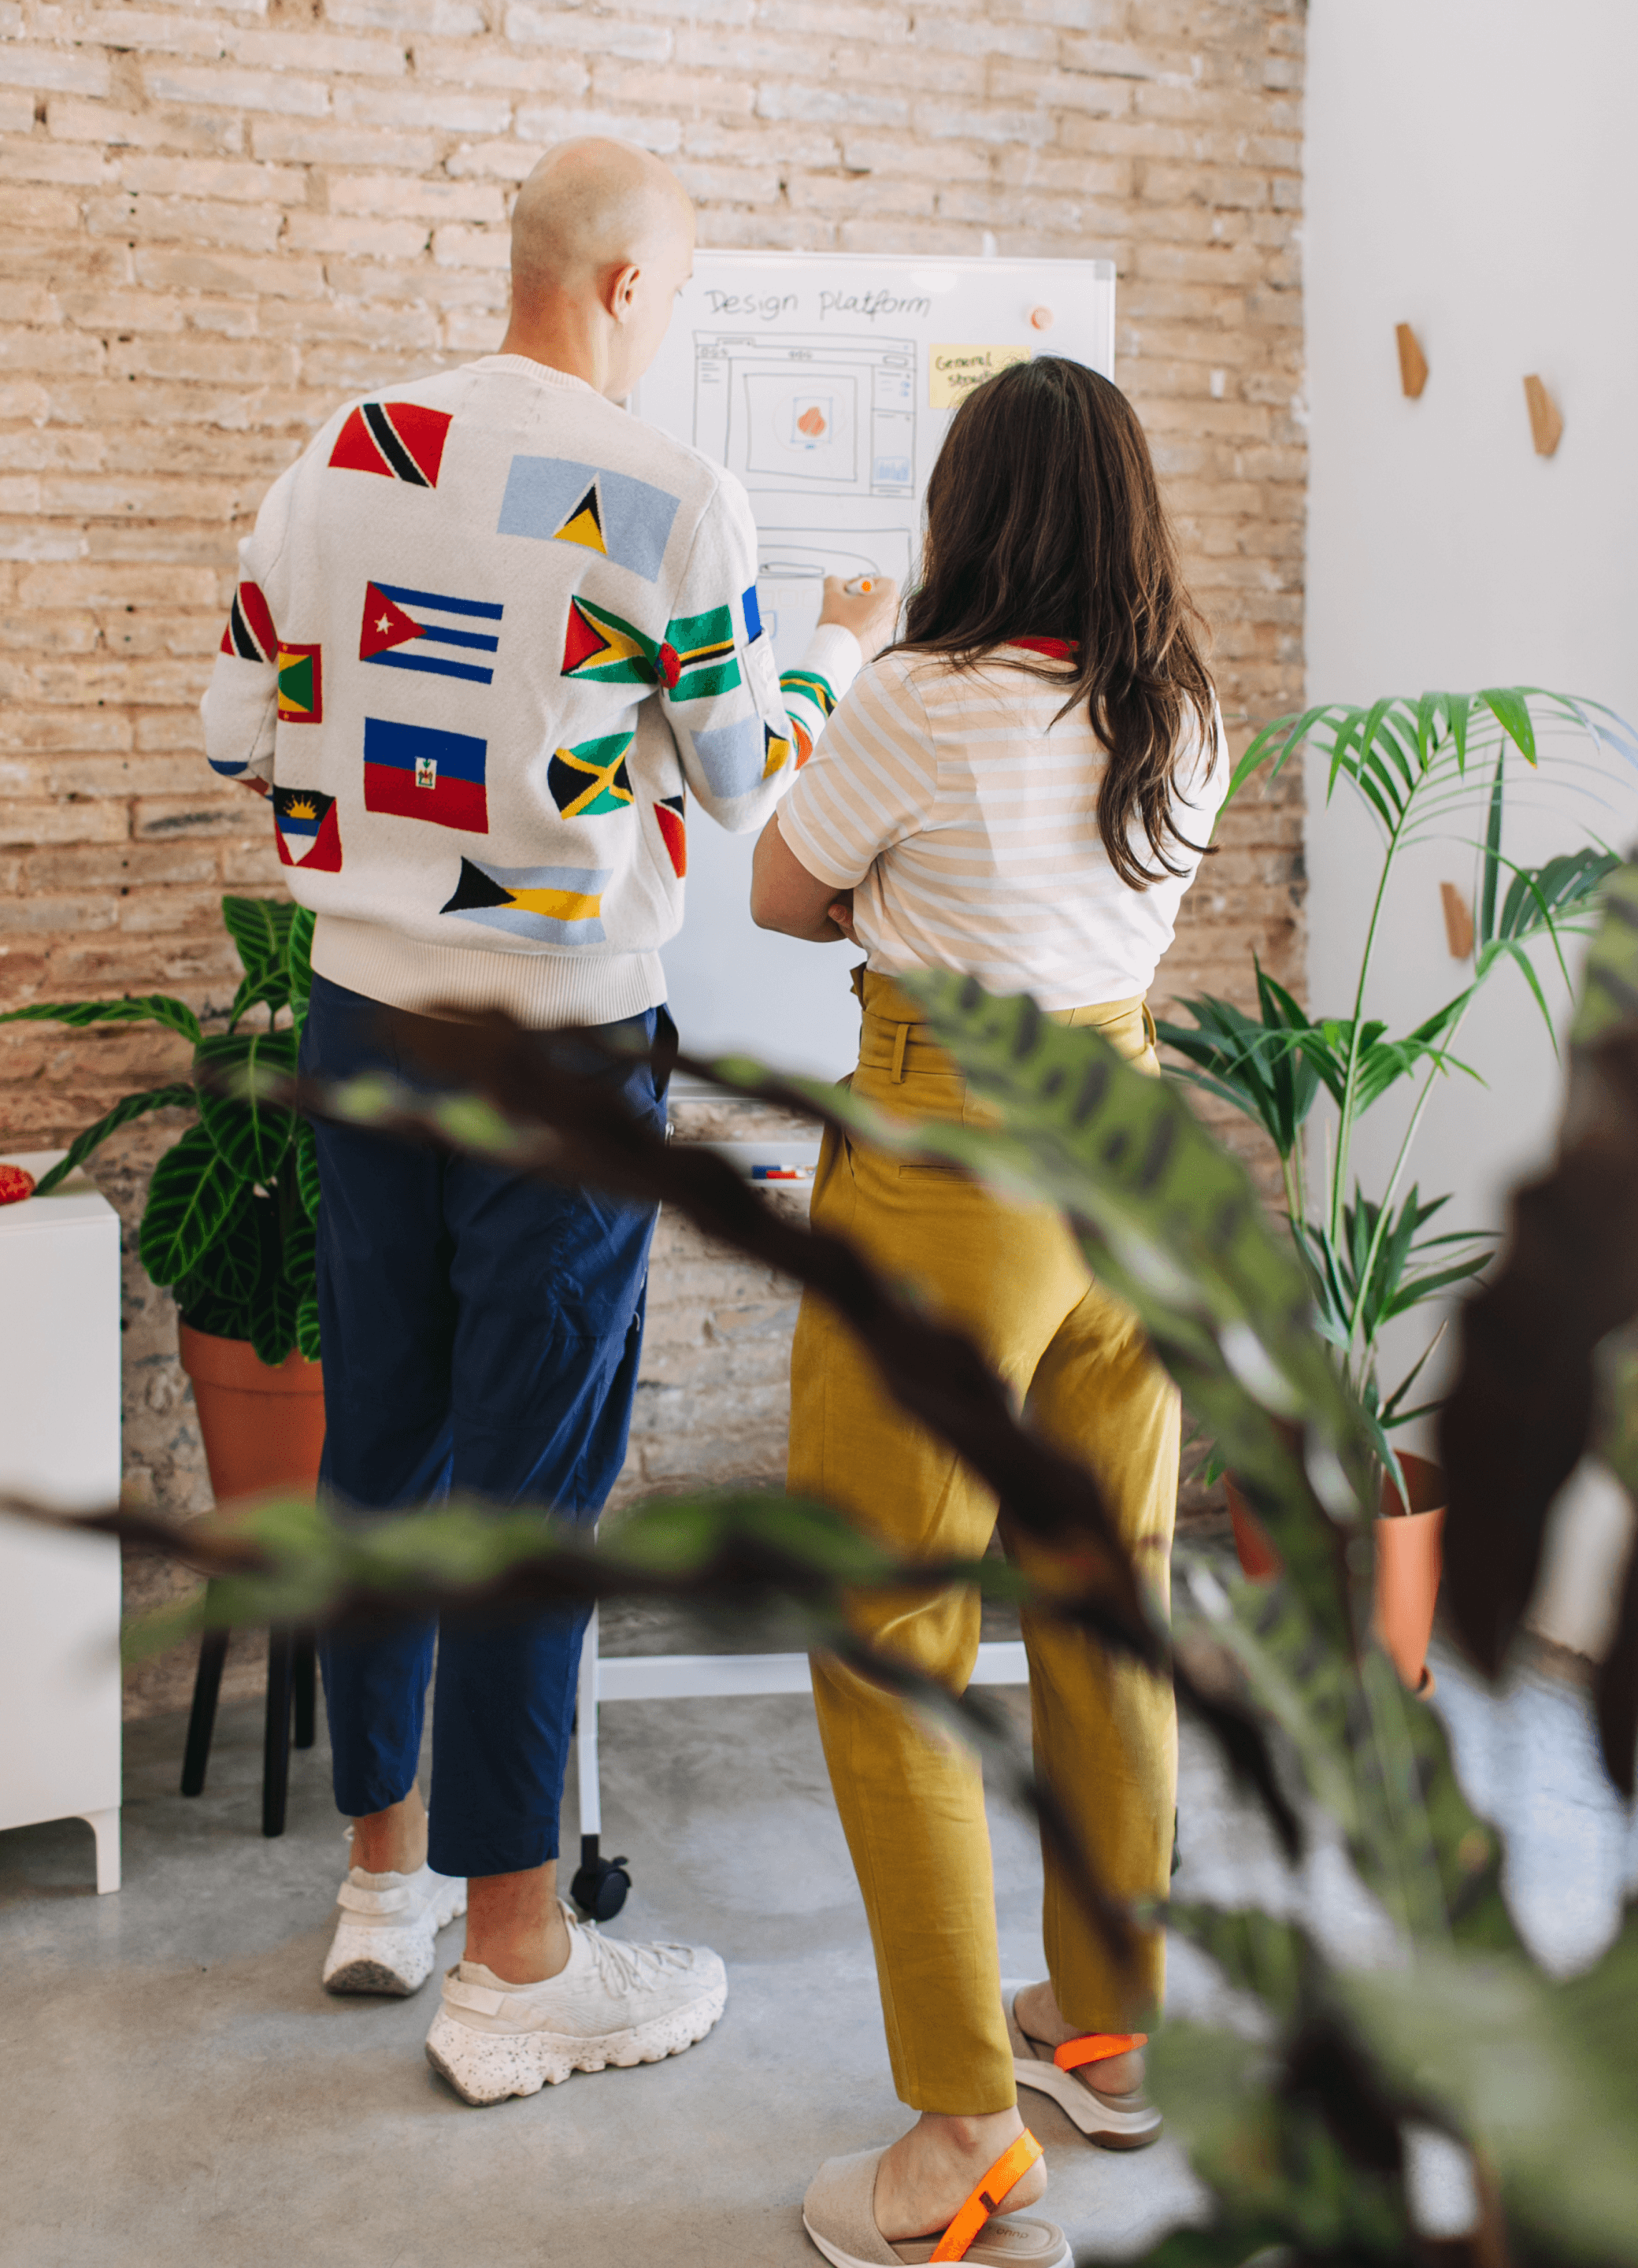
x,y
301,684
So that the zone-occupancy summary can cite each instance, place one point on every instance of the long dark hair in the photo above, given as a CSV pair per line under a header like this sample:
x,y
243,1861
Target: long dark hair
x,y
1045,519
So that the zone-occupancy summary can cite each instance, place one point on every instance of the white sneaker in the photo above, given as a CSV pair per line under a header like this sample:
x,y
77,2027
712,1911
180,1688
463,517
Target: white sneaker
x,y
385,1941
614,2003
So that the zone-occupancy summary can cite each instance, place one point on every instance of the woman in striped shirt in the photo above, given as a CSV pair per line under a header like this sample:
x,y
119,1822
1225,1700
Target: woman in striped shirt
x,y
1020,789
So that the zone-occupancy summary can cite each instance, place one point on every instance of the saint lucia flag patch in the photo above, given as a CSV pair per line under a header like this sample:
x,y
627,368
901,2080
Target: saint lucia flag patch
x,y
306,830
411,771
558,500
398,439
547,905
591,780
301,684
425,630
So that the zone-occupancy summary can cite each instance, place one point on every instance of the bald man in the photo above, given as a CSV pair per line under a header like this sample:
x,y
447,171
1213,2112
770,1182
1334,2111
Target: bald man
x,y
490,637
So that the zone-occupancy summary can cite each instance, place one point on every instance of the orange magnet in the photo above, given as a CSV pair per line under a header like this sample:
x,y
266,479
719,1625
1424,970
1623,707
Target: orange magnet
x,y
1041,319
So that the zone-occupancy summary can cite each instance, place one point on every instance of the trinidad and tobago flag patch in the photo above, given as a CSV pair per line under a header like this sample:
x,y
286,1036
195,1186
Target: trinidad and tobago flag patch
x,y
396,639
307,829
413,771
250,633
398,439
671,814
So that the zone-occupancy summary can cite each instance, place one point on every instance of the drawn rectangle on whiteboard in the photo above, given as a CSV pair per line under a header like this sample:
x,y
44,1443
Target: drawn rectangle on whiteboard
x,y
811,377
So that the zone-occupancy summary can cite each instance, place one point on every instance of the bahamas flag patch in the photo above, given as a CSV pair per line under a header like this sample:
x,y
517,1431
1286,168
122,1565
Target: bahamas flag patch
x,y
398,439
696,658
301,684
591,780
306,830
547,905
605,648
250,633
558,500
412,771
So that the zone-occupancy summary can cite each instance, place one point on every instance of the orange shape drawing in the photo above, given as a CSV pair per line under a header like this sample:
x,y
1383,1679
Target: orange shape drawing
x,y
811,422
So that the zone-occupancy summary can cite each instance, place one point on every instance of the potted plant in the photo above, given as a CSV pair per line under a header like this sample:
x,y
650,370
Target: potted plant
x,y
229,1224
1419,767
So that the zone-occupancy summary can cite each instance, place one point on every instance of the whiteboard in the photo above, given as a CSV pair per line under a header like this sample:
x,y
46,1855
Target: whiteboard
x,y
825,382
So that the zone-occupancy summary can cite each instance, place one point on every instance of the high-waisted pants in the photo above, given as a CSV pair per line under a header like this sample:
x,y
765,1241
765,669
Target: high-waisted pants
x,y
1013,1278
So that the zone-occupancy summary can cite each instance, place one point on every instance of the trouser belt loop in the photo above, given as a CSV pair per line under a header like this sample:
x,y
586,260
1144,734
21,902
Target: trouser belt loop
x,y
1149,1032
901,1034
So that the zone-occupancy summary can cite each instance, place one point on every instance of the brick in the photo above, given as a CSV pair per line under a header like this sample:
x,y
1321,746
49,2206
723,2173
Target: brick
x,y
452,19
196,132
547,126
245,228
53,69
281,278
596,35
617,84
236,90
119,866
354,235
388,197
847,106
342,146
446,112
17,111
319,51
37,159
460,246
241,181
477,65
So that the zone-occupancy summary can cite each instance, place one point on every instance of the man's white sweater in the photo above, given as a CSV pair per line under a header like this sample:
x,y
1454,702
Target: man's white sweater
x,y
490,634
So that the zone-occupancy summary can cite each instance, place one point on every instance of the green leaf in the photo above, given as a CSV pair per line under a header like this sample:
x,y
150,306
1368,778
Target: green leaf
x,y
132,1106
151,1008
274,1299
201,1305
191,1200
300,1251
1509,705
299,957
251,1133
307,1328
259,927
306,1152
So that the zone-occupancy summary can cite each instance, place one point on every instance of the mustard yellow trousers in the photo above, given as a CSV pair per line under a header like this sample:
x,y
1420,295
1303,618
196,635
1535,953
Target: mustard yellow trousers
x,y
1105,1732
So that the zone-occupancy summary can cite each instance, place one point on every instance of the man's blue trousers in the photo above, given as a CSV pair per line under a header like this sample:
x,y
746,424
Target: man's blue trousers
x,y
481,1336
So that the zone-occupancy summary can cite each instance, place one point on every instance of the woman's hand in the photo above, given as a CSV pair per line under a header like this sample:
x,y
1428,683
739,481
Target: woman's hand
x,y
840,910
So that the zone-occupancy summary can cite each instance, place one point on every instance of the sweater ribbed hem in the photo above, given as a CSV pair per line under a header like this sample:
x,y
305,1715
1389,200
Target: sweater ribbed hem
x,y
541,989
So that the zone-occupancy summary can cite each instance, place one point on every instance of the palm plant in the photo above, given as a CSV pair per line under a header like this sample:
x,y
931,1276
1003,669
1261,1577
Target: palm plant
x,y
1420,766
229,1218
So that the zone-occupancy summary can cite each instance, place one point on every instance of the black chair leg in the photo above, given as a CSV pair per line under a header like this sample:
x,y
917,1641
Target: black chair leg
x,y
276,1739
305,1673
202,1715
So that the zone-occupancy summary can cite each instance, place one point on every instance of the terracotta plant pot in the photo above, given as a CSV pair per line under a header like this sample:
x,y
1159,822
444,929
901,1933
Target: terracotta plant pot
x,y
1409,1561
264,1429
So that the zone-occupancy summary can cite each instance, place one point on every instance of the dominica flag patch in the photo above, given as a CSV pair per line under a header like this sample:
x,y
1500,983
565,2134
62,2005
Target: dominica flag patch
x,y
413,771
398,439
671,815
590,780
250,633
696,658
560,500
307,829
547,905
301,684
605,648
429,631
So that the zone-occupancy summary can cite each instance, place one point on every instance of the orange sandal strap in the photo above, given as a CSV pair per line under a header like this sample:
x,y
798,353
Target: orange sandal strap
x,y
1003,2176
1097,2047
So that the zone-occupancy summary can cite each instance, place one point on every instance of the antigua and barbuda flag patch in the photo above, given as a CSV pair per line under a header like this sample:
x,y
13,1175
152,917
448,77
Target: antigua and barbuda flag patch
x,y
250,633
301,684
401,440
307,829
671,815
605,647
592,780
547,905
414,771
558,500
426,630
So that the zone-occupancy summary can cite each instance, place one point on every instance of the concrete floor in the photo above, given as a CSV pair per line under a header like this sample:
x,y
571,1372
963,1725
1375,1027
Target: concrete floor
x,y
183,2092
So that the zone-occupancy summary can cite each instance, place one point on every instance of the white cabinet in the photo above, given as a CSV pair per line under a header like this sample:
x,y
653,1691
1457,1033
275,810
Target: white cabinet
x,y
60,1443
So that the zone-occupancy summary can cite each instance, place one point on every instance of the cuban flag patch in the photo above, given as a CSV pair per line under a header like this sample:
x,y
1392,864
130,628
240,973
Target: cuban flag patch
x,y
414,771
429,631
306,830
400,440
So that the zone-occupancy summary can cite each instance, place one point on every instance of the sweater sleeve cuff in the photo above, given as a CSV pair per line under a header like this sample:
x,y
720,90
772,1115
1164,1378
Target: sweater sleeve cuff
x,y
835,654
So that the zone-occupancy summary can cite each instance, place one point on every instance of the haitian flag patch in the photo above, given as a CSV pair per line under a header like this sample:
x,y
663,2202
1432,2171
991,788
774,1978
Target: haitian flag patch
x,y
590,780
414,771
307,829
398,439
558,500
387,627
301,684
250,633
548,905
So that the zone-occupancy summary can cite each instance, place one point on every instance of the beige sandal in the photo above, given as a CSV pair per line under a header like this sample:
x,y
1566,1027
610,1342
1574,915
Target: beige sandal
x,y
839,2214
1114,2122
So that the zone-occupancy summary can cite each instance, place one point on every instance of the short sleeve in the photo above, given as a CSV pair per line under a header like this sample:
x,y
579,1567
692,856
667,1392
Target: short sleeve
x,y
871,783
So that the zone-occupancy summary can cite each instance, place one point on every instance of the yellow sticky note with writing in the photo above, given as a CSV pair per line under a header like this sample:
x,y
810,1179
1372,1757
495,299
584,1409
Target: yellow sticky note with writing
x,y
953,371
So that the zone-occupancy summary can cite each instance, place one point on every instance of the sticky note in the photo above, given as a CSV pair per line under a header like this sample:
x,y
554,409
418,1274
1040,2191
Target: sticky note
x,y
953,371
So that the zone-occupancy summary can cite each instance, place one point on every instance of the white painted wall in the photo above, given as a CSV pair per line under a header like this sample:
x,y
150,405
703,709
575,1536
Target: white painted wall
x,y
1472,171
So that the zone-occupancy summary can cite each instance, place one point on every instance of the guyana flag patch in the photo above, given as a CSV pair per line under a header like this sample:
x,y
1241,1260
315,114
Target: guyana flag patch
x,y
605,648
591,780
301,684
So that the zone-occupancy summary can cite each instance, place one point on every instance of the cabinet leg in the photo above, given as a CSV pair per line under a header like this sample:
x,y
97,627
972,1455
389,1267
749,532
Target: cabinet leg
x,y
202,1715
276,1739
104,1825
304,1671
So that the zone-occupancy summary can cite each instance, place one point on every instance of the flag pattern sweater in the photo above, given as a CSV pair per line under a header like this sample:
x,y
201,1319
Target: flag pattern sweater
x,y
490,636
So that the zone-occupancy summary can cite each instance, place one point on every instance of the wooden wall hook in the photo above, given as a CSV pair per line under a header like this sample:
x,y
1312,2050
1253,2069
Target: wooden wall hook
x,y
1458,922
1547,426
1413,361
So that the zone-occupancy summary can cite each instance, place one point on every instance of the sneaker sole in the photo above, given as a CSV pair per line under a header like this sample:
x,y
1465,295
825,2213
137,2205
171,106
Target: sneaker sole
x,y
486,2068
1110,2129
392,1963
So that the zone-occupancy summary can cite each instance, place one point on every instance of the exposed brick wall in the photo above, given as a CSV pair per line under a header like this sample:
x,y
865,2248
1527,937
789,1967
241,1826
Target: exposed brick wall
x,y
220,221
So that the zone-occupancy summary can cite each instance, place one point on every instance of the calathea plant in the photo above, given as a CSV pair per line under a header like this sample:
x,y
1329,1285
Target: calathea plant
x,y
229,1222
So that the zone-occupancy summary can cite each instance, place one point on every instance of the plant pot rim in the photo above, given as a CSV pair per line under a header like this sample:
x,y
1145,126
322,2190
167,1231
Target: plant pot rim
x,y
234,1363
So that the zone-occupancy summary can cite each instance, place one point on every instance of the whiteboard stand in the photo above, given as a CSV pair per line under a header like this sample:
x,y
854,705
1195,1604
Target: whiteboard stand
x,y
60,1443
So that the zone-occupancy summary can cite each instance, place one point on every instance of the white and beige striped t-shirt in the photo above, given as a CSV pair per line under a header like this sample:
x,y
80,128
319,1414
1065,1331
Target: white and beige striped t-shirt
x,y
965,823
